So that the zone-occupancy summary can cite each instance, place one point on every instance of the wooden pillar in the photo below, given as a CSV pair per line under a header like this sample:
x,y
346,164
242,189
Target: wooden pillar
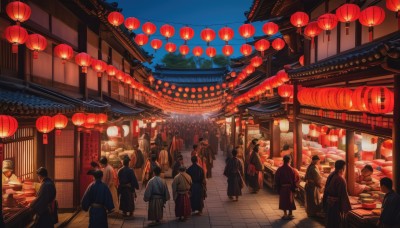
x,y
82,47
350,161
233,131
396,134
276,139
297,132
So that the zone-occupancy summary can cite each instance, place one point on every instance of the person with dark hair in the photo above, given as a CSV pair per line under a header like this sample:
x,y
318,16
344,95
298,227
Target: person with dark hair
x,y
163,159
108,179
336,201
254,169
365,177
234,171
180,190
98,201
195,150
199,187
44,206
390,216
137,162
126,189
285,183
313,188
157,195
178,163
148,171
207,156
247,155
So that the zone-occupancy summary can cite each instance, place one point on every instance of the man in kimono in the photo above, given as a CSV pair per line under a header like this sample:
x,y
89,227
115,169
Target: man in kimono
x,y
285,182
180,190
253,170
126,189
163,159
199,189
137,163
313,188
390,217
207,155
234,172
43,205
157,195
175,168
108,179
148,171
336,199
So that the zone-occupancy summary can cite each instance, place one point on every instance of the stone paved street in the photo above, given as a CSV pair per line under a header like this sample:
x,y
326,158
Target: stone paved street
x,y
252,210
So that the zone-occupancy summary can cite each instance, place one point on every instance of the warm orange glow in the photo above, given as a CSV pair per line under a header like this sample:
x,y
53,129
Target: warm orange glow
x,y
270,28
64,52
132,23
8,126
115,18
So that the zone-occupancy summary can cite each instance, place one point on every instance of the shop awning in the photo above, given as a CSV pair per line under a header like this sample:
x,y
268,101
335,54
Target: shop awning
x,y
265,111
119,108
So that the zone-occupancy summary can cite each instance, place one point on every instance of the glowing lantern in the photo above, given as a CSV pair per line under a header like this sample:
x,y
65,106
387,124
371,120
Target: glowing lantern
x,y
120,75
60,122
141,39
16,35
184,49
246,49
299,19
18,11
278,44
262,45
132,23
102,118
78,119
301,60
348,13
99,66
226,34
394,5
285,91
36,43
186,33
379,100
92,118
193,90
270,28
149,28
45,124
256,61
166,84
64,52
180,89
197,51
167,31
212,88
205,88
170,47
227,50
312,30
343,99
8,126
156,44
173,87
233,74
207,35
211,51
249,69
83,60
177,94
305,129
358,100
284,125
247,30
112,131
126,130
282,76
115,18
370,17
199,90
327,22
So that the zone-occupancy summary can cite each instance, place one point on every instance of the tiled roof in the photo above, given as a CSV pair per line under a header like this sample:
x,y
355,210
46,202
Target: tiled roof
x,y
264,111
121,109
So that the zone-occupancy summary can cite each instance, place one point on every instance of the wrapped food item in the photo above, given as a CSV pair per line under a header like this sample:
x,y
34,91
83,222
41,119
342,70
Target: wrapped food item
x,y
369,205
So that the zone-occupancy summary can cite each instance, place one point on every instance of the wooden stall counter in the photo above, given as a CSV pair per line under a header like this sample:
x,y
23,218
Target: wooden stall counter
x,y
269,175
362,218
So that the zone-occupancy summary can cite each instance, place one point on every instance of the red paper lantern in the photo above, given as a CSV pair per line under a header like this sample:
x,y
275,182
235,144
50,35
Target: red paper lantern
x,y
312,30
8,126
358,100
211,51
167,31
60,122
170,47
115,18
246,49
99,66
270,28
299,19
78,119
227,50
166,84
64,52
132,23
18,11
278,44
16,35
205,88
36,43
45,124
199,90
193,90
249,69
370,17
394,5
282,76
111,70
256,61
285,91
156,44
348,13
92,118
102,118
141,39
207,35
197,51
327,22
247,30
379,100
149,28
343,99
301,60
120,75
186,33
184,49
226,34
84,60
262,45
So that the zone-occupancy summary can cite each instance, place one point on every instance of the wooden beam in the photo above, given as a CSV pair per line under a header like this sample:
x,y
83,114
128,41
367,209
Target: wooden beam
x,y
396,134
350,161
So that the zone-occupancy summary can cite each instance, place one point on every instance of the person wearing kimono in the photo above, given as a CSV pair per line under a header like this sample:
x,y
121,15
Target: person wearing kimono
x,y
159,142
285,183
157,195
313,188
336,199
207,156
163,159
247,154
390,217
148,171
234,171
108,179
253,170
175,168
43,205
126,189
198,192
180,190
174,147
98,201
214,142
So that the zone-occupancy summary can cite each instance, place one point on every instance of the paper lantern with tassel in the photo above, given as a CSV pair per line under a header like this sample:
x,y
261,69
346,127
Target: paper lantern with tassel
x,y
45,124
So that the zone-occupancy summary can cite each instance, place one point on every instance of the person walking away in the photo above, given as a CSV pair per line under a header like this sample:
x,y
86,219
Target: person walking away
x,y
108,179
159,142
137,163
390,216
98,201
199,186
253,170
208,157
194,151
180,190
148,171
44,206
126,189
157,195
313,188
336,201
163,159
285,182
178,163
247,154
234,172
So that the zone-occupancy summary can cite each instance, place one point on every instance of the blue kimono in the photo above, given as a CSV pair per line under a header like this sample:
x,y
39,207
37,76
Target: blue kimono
x,y
42,205
99,194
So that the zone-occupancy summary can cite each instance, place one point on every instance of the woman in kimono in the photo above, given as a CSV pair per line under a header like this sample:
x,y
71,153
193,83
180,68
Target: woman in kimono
x,y
234,172
253,170
313,188
126,189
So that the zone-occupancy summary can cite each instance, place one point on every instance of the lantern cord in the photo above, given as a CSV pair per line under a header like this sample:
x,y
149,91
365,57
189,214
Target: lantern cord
x,y
192,25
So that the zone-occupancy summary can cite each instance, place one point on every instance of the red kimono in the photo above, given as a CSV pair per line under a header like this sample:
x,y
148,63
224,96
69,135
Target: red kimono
x,y
285,182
